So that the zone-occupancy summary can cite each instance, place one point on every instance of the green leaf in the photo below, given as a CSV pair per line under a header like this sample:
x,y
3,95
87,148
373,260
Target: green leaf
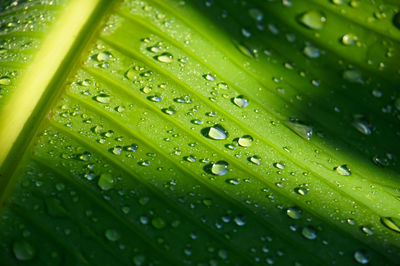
x,y
199,132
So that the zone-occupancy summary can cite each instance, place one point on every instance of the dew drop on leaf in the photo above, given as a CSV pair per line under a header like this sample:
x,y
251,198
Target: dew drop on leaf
x,y
103,98
309,232
391,223
255,159
165,57
245,141
302,191
158,223
256,14
338,2
138,260
216,132
23,250
155,98
343,170
362,256
5,80
241,101
367,231
219,168
352,75
349,39
294,213
311,51
240,220
209,77
106,181
300,128
313,19
112,235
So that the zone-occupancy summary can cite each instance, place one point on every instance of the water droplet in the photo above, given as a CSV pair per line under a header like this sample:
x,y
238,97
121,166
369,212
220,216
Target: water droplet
x,y
131,74
279,166
241,101
313,19
155,98
349,39
391,223
207,202
209,77
338,2
103,56
343,170
380,161
362,256
117,150
294,213
362,125
367,231
106,181
300,128
233,181
255,159
240,220
311,51
302,191
165,57
190,158
256,14
23,251
169,111
103,98
112,235
5,80
352,75
309,232
85,156
138,260
158,223
131,148
216,132
245,141
219,168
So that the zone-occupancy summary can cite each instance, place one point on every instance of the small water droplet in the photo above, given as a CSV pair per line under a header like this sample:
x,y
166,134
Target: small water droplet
x,y
216,132
209,77
245,141
23,251
117,150
313,19
219,168
338,2
158,223
367,231
165,57
309,232
103,98
169,111
380,161
349,39
279,166
155,98
112,235
138,260
233,181
352,75
311,51
85,156
391,223
5,80
106,181
300,128
302,191
294,213
362,256
362,125
256,14
343,170
255,159
103,56
240,220
190,158
241,101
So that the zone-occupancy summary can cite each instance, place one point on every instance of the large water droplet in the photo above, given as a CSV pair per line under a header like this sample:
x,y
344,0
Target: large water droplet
x,y
23,250
294,213
255,159
165,57
241,101
311,51
391,223
343,170
5,80
158,223
300,128
240,220
103,98
216,132
112,235
245,141
349,39
309,232
313,19
106,181
362,124
362,256
256,14
219,168
103,56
